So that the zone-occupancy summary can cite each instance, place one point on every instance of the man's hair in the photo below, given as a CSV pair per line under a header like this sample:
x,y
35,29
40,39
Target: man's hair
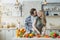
x,y
32,11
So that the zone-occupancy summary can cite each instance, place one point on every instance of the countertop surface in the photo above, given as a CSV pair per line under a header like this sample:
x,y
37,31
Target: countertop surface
x,y
35,38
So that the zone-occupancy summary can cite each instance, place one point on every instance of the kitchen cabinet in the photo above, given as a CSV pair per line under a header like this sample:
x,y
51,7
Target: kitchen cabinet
x,y
14,33
10,34
2,34
7,34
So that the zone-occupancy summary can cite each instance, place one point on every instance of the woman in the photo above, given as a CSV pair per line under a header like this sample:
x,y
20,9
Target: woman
x,y
40,23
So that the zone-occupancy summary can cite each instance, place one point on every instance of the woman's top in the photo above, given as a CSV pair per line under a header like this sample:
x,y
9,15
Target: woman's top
x,y
39,23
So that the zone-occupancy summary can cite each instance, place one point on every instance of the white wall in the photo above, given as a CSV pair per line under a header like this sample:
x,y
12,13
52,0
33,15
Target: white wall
x,y
27,5
53,22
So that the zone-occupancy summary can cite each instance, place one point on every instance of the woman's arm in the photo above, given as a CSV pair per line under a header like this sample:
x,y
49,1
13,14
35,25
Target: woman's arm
x,y
44,28
35,27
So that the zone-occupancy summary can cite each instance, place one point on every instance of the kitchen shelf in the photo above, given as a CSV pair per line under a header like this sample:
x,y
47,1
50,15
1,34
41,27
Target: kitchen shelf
x,y
52,29
11,16
7,28
52,11
58,4
54,16
54,3
51,8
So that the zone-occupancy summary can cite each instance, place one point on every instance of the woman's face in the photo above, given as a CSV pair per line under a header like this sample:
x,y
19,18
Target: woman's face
x,y
35,13
39,14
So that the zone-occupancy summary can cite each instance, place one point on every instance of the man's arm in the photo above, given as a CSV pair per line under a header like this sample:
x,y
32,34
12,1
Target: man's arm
x,y
26,23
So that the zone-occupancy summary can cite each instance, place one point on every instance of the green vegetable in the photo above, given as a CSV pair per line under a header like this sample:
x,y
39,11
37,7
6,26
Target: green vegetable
x,y
21,34
51,34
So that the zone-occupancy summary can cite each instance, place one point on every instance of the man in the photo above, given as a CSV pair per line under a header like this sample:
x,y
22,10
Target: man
x,y
30,19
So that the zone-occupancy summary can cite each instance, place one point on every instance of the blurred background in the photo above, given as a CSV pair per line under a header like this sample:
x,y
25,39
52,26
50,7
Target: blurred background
x,y
14,12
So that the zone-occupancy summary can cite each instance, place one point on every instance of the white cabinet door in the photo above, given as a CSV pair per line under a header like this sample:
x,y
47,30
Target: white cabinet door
x,y
2,34
9,34
14,33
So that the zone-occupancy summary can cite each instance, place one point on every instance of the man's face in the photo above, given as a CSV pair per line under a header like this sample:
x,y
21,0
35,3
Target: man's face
x,y
35,13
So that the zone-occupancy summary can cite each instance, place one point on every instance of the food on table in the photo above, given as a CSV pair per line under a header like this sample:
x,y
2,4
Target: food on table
x,y
26,35
17,33
38,35
58,36
46,36
53,34
31,35
20,32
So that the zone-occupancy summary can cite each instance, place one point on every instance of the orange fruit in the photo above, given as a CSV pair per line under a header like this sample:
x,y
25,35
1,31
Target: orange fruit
x,y
46,36
17,31
30,35
22,30
26,35
17,35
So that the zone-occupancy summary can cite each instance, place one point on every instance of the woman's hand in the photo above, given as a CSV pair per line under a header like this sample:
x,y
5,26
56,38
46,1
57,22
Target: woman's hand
x,y
37,31
43,30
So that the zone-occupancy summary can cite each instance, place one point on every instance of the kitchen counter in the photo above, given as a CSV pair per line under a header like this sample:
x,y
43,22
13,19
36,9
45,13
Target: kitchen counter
x,y
35,39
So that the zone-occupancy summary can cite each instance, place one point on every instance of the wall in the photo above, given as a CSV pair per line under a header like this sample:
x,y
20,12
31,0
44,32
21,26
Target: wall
x,y
27,5
53,22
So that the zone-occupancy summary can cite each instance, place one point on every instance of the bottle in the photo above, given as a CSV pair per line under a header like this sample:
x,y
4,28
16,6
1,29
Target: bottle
x,y
47,13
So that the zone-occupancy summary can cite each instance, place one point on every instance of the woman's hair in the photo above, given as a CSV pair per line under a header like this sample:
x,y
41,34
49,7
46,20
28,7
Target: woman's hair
x,y
32,11
43,16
